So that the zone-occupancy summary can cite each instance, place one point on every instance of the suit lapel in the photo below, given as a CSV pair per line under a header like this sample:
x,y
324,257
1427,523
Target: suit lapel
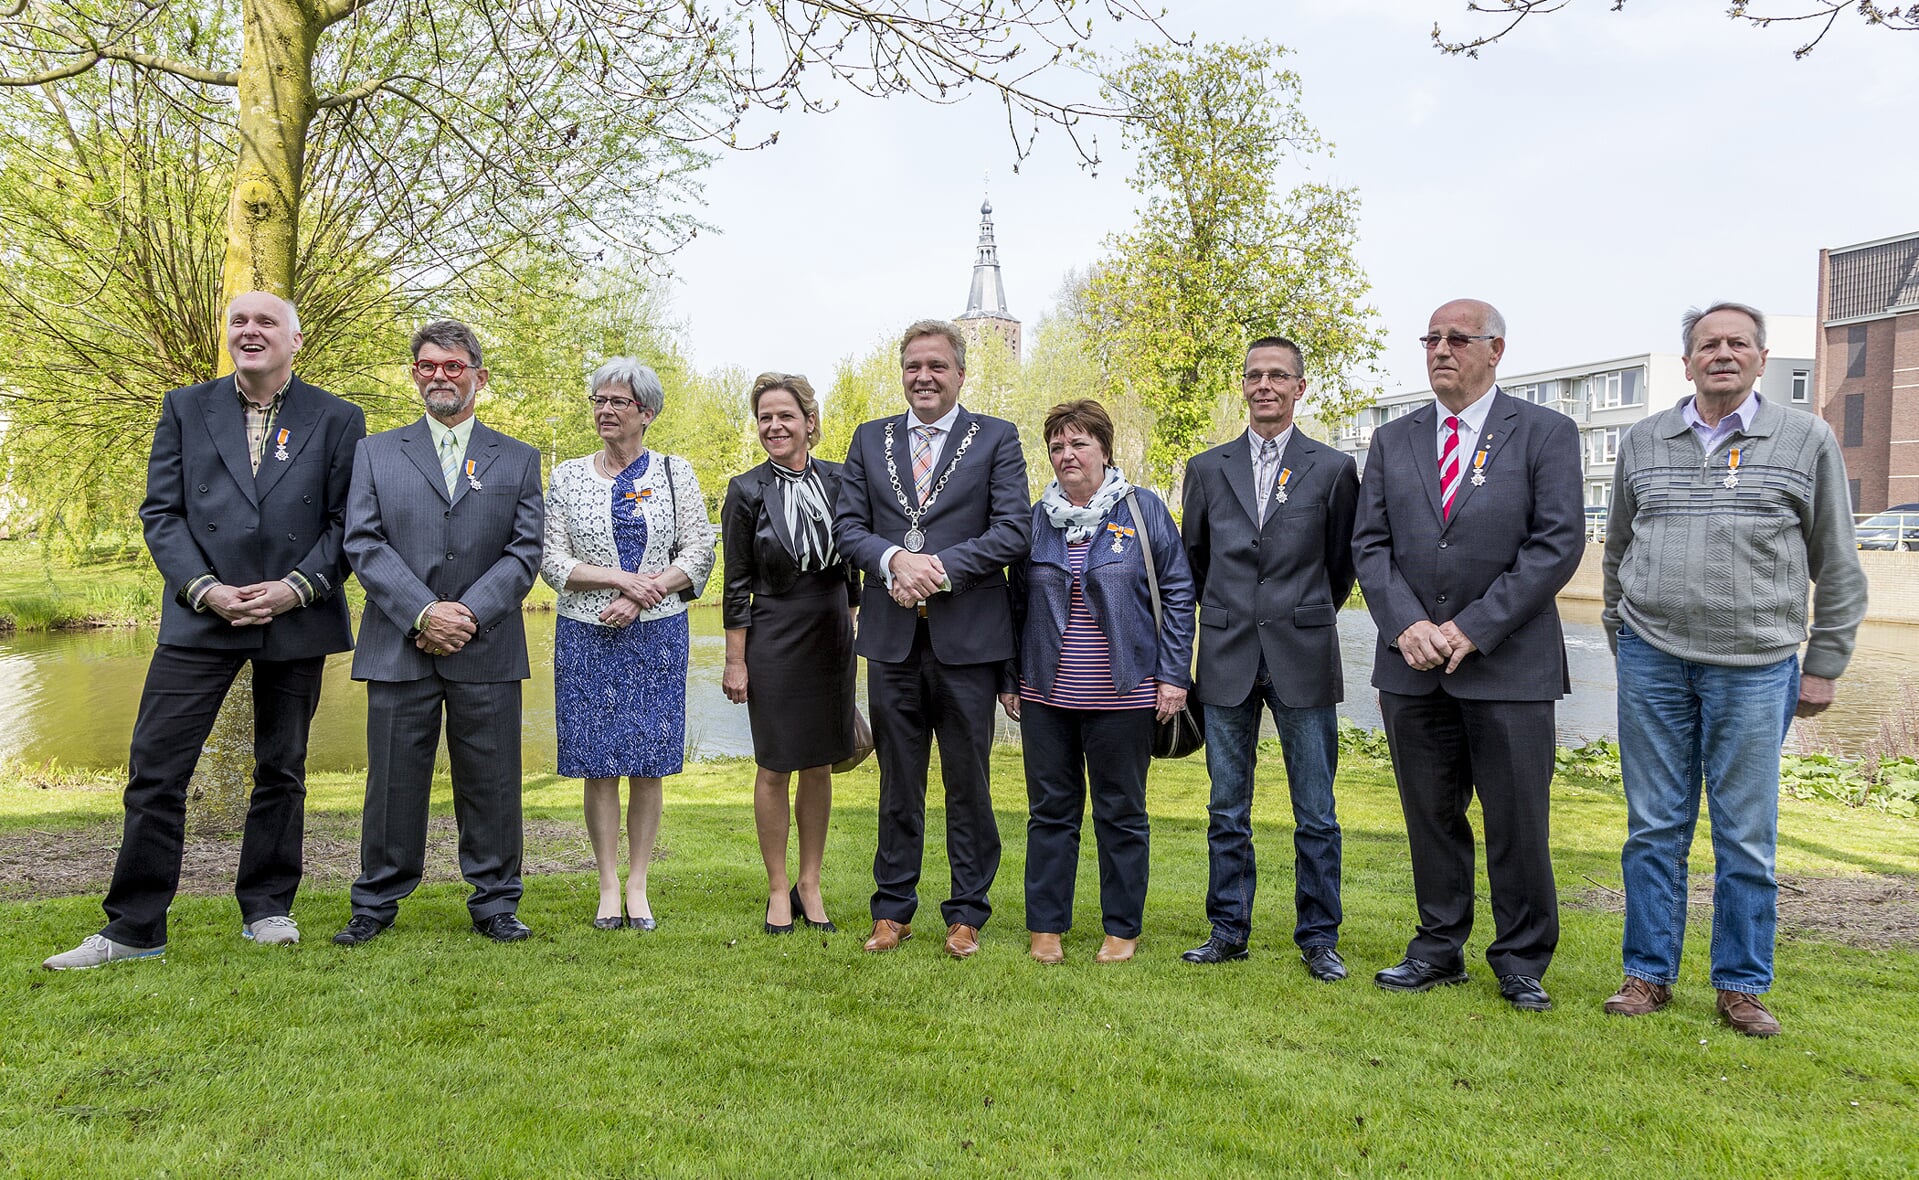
x,y
1239,474
1498,428
1426,455
298,415
482,447
1300,455
228,429
773,495
416,441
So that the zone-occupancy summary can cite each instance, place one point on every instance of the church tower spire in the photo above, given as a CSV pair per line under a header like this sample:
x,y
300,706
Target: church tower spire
x,y
986,302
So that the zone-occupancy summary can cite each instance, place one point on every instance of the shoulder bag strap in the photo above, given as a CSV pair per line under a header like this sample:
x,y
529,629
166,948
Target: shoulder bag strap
x,y
1146,551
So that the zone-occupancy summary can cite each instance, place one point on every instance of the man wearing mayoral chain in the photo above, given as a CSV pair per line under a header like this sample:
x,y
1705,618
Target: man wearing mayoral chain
x,y
244,514
933,507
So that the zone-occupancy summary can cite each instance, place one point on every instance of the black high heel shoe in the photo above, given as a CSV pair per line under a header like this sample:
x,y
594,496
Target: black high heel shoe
x,y
772,929
825,927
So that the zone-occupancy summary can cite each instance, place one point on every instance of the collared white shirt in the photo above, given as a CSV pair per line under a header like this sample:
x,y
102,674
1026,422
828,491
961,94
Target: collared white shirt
x,y
1711,436
942,430
1472,422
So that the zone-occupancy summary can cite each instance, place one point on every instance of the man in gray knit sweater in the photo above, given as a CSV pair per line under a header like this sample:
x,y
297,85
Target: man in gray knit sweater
x,y
1725,508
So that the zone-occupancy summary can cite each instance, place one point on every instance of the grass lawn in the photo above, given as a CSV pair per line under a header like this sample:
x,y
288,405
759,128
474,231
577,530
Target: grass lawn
x,y
709,1049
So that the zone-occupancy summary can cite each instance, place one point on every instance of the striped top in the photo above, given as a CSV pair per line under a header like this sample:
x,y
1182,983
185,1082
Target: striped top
x,y
1085,679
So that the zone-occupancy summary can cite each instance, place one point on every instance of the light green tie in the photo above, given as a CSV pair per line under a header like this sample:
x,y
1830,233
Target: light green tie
x,y
449,461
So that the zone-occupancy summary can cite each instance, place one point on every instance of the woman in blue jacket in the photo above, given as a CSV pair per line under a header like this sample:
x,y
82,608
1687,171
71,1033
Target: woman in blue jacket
x,y
1094,675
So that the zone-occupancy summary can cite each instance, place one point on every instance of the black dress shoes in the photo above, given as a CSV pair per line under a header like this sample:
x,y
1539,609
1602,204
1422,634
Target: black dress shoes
x,y
1525,993
1216,950
799,911
1417,975
1324,963
360,930
503,928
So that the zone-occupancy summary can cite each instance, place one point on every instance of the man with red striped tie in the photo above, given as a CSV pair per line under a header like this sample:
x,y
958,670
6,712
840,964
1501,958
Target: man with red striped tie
x,y
1470,521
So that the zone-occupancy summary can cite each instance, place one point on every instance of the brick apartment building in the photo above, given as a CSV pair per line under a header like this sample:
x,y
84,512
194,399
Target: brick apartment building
x,y
1867,366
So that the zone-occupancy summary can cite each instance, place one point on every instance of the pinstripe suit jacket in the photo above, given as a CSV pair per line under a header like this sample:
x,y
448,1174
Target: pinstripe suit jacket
x,y
412,544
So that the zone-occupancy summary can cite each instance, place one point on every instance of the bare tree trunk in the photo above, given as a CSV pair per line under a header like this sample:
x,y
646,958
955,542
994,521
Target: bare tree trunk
x,y
222,786
263,221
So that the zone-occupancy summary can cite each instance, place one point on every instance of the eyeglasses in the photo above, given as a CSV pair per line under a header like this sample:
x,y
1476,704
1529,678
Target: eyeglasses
x,y
1276,376
1453,340
451,370
611,403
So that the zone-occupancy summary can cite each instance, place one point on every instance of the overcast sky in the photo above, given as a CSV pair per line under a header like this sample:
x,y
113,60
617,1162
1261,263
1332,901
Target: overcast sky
x,y
1593,175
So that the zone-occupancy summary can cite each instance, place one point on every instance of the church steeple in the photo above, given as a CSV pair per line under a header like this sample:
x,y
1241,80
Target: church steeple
x,y
986,302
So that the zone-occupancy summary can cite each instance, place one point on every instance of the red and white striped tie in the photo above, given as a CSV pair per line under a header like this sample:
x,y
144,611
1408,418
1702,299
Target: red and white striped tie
x,y
1449,469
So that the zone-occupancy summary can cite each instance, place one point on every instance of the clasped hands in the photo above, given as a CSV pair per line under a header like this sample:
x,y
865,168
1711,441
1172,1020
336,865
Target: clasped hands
x,y
637,592
1426,645
251,606
916,577
445,628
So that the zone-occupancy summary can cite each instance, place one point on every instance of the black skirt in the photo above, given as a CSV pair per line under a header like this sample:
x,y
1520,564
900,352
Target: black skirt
x,y
800,674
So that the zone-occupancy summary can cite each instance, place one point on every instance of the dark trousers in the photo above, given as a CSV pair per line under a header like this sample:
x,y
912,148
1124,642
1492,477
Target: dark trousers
x,y
185,687
910,703
483,742
1444,748
1067,751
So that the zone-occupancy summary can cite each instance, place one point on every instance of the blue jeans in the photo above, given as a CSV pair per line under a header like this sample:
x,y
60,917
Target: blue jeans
x,y
1681,722
1310,741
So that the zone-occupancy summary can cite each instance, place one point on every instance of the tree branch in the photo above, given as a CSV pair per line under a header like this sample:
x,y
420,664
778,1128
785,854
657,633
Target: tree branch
x,y
146,61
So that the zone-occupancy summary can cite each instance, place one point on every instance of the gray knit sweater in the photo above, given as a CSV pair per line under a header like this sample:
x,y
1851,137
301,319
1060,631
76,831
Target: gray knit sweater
x,y
1719,575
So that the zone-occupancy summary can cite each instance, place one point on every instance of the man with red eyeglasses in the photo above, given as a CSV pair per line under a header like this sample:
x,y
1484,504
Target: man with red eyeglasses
x,y
443,528
246,502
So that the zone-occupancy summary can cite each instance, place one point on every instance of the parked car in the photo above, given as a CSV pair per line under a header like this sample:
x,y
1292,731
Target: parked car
x,y
1895,528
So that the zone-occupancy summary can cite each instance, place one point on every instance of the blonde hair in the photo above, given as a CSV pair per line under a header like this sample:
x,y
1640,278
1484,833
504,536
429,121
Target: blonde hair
x,y
802,391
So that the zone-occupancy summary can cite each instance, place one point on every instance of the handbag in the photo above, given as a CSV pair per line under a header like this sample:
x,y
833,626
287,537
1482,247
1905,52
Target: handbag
x,y
1185,731
862,744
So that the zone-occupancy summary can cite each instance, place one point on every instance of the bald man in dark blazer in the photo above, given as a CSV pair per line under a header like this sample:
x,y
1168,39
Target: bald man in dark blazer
x,y
1470,521
245,507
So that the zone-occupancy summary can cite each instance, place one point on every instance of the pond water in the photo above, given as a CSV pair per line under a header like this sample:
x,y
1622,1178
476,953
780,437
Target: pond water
x,y
71,696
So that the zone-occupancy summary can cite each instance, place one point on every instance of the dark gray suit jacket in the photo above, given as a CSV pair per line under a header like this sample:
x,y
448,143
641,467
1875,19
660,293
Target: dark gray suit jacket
x,y
1271,591
977,527
411,544
207,512
1493,568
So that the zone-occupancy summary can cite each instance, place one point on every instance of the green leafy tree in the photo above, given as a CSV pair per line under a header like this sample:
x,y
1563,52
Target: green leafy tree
x,y
1221,255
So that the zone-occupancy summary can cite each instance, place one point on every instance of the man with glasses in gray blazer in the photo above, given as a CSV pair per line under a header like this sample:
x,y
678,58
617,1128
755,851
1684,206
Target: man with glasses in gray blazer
x,y
443,528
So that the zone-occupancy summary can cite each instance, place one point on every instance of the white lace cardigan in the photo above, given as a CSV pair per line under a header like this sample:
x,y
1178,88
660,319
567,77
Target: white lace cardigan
x,y
579,529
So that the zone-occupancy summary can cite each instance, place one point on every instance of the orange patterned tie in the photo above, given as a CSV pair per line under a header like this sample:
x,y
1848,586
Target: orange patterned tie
x,y
923,460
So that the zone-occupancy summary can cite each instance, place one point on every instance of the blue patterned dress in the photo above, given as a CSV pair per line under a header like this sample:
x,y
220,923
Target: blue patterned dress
x,y
620,692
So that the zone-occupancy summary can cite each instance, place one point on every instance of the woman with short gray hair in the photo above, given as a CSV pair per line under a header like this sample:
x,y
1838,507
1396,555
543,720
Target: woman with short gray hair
x,y
627,545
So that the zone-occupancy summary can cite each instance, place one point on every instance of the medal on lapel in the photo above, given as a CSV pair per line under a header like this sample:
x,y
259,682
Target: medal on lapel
x,y
1118,531
1479,464
1732,469
639,496
280,445
1279,485
472,480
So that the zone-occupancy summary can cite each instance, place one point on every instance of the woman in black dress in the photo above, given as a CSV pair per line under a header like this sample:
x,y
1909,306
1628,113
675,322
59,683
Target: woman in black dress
x,y
790,604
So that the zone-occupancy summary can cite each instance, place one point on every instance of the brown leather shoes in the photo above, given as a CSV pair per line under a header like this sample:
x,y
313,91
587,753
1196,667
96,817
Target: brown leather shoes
x,y
962,940
1116,950
1046,948
887,935
1638,997
1747,1015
